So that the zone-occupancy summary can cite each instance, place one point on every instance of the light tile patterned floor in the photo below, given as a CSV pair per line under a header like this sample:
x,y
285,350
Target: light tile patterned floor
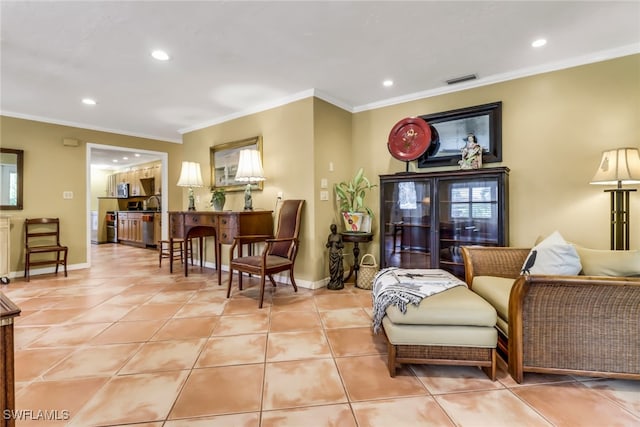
x,y
126,342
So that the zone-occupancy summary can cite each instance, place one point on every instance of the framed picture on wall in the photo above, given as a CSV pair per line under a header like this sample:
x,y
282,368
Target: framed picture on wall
x,y
224,163
453,127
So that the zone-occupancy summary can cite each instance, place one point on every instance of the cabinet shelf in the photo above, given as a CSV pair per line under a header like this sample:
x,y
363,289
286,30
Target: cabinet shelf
x,y
423,224
471,240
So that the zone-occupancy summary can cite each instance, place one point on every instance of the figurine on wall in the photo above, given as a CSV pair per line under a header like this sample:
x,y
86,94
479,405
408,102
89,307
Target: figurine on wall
x,y
471,153
336,269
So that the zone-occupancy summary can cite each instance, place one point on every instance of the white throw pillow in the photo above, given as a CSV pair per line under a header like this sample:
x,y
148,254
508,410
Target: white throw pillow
x,y
553,256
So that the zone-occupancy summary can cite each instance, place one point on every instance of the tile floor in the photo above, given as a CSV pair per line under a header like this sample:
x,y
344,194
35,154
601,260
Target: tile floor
x,y
127,343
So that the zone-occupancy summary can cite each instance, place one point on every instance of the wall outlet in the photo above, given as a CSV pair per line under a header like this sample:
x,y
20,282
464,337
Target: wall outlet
x,y
67,194
324,195
280,195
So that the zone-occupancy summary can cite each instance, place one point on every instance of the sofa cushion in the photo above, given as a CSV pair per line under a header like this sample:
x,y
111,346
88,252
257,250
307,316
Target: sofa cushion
x,y
553,256
496,291
597,262
455,306
439,335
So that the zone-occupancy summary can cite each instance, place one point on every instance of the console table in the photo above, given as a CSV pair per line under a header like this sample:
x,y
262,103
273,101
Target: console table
x,y
222,226
8,310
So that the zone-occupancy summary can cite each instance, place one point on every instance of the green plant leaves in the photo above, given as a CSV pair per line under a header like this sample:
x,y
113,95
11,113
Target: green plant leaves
x,y
352,194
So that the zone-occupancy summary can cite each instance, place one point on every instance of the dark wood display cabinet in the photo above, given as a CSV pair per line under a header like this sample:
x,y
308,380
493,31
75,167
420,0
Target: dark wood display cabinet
x,y
426,217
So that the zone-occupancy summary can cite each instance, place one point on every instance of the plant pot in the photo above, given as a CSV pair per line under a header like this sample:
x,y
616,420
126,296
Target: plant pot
x,y
356,222
218,203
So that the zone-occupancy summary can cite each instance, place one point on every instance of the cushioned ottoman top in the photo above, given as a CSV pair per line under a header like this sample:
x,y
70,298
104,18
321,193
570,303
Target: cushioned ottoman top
x,y
455,306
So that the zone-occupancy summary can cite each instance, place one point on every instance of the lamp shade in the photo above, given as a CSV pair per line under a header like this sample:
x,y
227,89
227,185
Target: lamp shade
x,y
617,167
190,175
250,167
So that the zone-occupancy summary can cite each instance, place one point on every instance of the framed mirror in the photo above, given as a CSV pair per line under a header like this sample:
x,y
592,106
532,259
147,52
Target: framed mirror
x,y
453,128
11,179
224,164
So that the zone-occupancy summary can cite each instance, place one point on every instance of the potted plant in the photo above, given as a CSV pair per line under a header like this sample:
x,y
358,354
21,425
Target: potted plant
x,y
351,194
218,198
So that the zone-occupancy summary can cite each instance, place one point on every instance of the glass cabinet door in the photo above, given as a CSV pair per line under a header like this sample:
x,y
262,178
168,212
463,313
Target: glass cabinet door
x,y
468,215
406,223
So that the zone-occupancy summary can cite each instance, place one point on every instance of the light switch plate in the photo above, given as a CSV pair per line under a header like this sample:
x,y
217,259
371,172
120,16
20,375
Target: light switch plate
x,y
324,195
323,183
67,194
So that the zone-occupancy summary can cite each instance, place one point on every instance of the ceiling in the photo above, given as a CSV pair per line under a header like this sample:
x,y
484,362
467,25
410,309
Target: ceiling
x,y
232,58
119,159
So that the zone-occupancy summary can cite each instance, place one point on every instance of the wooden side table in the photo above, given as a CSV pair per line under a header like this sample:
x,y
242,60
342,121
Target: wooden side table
x,y
356,239
8,310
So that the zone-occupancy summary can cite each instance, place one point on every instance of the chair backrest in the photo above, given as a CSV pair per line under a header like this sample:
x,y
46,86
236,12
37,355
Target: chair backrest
x,y
41,232
288,226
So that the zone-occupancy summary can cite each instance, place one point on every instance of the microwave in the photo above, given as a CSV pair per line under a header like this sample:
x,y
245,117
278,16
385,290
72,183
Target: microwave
x,y
122,191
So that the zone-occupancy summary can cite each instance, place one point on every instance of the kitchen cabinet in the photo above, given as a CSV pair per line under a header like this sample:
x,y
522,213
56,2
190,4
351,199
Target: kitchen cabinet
x,y
157,178
130,228
112,185
144,180
426,217
157,228
134,183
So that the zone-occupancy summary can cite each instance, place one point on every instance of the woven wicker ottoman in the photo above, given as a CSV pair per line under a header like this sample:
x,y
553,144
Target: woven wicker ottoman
x,y
454,327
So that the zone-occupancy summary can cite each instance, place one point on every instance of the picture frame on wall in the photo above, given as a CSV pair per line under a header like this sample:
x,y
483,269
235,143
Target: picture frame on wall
x,y
224,164
453,127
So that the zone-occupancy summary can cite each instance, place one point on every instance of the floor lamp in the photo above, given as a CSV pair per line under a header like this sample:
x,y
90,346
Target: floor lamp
x,y
190,176
249,171
619,167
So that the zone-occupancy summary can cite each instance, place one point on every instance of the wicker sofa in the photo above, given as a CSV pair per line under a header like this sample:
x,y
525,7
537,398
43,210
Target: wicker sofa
x,y
581,325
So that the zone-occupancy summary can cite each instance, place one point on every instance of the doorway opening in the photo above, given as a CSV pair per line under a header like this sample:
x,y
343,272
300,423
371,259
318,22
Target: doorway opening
x,y
97,155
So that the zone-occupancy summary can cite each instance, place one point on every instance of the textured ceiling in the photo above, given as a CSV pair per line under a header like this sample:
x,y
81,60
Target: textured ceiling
x,y
230,58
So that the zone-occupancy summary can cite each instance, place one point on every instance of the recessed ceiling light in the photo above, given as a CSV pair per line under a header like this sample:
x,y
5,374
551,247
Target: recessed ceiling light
x,y
125,158
539,43
387,83
115,160
89,101
160,55
137,155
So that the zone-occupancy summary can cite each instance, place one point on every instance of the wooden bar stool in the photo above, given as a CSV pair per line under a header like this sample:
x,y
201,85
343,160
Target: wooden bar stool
x,y
164,250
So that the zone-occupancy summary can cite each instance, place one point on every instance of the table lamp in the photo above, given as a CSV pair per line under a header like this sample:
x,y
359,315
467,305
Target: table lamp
x,y
190,176
249,171
618,167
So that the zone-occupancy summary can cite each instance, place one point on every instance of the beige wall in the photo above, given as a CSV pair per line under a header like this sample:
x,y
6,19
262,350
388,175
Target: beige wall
x,y
554,129
288,150
51,168
555,126
332,138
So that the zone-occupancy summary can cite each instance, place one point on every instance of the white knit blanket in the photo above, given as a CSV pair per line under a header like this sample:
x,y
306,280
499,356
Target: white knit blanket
x,y
402,286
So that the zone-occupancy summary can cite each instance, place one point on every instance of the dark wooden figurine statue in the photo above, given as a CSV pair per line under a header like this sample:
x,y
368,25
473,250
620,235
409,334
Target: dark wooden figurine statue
x,y
336,269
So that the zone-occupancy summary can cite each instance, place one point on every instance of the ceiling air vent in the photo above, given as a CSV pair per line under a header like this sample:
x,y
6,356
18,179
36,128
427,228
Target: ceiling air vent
x,y
462,79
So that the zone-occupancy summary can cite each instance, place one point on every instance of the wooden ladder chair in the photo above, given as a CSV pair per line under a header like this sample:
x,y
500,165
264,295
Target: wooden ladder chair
x,y
42,236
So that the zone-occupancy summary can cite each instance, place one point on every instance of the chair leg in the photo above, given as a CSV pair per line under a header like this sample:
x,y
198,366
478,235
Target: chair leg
x,y
293,281
273,282
65,263
26,266
57,261
190,245
262,282
230,281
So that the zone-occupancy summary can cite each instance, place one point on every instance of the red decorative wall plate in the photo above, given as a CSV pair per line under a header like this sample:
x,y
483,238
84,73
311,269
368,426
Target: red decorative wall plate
x,y
409,139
